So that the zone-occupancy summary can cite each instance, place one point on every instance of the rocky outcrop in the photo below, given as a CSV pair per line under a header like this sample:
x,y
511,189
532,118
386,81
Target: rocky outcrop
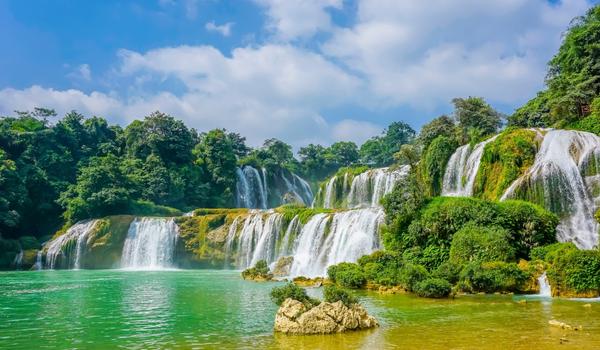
x,y
293,317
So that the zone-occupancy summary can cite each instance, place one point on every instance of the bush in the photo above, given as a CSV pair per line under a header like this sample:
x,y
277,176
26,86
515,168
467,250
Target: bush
x,y
434,162
476,243
347,275
448,271
410,275
575,271
549,252
433,288
292,291
333,294
260,270
493,277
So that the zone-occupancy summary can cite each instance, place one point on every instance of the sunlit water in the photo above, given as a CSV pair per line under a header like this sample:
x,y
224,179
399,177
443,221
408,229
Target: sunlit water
x,y
216,309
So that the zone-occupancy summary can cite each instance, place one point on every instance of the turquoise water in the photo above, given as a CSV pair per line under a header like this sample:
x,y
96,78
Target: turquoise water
x,y
217,309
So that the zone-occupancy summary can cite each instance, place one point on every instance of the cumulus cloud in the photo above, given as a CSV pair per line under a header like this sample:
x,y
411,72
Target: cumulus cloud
x,y
224,29
393,55
423,54
298,19
82,72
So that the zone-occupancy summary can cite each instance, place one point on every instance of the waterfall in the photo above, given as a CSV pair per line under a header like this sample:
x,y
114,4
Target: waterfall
x,y
329,199
462,168
251,190
150,244
61,249
18,261
330,239
545,290
564,169
368,188
38,260
326,239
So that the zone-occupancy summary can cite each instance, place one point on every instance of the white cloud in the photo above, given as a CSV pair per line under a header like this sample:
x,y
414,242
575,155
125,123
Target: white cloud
x,y
355,130
82,72
423,54
299,19
224,29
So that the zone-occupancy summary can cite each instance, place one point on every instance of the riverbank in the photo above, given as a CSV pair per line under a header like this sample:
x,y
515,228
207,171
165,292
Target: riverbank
x,y
208,308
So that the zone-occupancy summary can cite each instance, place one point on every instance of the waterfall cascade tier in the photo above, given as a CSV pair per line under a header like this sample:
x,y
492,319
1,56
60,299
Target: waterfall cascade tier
x,y
262,189
545,289
325,239
150,244
461,170
563,178
364,190
68,249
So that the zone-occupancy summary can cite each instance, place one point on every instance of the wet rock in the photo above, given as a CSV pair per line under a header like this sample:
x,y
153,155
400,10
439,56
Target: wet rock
x,y
559,324
282,266
293,317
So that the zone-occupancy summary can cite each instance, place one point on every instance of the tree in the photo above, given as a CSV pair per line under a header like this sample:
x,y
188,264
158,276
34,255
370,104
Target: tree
x,y
344,153
476,119
278,151
315,161
440,126
380,150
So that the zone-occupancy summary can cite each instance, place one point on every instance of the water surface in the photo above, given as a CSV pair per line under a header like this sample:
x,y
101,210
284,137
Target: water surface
x,y
203,309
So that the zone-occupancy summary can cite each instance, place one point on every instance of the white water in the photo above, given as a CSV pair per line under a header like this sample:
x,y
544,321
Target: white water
x,y
366,190
545,289
61,247
18,261
462,168
150,244
557,180
252,189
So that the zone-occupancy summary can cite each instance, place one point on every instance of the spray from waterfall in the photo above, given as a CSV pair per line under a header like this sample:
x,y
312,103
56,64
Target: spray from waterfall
x,y
150,244
545,289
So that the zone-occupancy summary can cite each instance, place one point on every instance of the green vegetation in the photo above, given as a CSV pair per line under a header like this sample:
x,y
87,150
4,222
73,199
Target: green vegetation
x,y
434,162
503,161
572,80
348,275
260,272
333,294
476,243
292,291
433,288
380,150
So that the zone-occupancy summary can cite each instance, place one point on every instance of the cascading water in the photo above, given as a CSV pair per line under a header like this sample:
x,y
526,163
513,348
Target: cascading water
x,y
545,289
560,179
326,239
150,244
61,248
18,261
330,239
366,189
462,168
252,189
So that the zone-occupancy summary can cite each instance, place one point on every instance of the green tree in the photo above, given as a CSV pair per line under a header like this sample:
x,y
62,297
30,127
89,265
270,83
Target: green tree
x,y
440,126
476,119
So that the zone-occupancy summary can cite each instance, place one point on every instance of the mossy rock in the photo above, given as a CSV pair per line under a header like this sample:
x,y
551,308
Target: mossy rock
x,y
105,242
504,160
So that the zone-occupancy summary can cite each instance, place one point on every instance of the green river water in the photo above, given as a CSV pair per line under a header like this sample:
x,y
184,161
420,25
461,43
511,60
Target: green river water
x,y
201,309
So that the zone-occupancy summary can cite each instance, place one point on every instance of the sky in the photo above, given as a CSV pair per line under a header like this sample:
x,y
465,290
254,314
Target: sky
x,y
304,71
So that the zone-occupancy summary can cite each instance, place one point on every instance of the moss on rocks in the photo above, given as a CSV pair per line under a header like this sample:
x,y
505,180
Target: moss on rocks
x,y
105,242
503,161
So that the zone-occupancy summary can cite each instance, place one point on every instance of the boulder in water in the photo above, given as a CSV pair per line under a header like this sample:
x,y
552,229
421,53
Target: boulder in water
x,y
293,317
282,266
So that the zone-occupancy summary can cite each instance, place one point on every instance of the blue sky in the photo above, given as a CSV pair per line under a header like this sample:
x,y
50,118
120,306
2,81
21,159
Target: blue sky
x,y
303,71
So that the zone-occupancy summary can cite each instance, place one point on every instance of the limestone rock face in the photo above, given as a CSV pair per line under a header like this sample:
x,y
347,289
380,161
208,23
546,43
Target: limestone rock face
x,y
293,317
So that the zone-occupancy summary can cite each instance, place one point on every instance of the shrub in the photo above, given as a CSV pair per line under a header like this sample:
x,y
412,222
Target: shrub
x,y
492,277
476,243
433,288
434,162
292,291
410,275
260,270
549,252
575,271
448,271
333,294
347,275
